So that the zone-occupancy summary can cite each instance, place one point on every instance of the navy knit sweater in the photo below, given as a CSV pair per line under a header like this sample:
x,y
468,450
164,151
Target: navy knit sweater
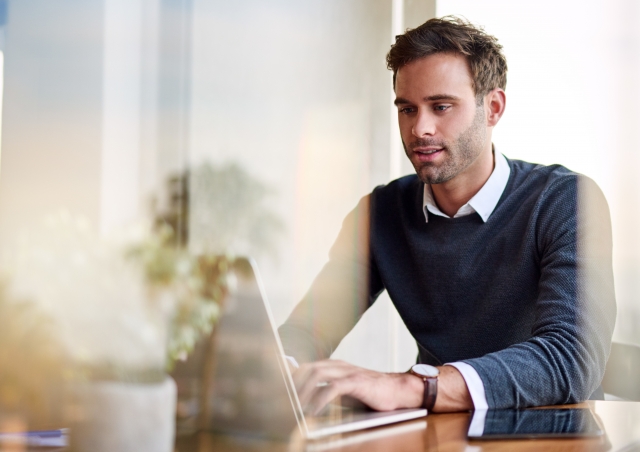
x,y
526,298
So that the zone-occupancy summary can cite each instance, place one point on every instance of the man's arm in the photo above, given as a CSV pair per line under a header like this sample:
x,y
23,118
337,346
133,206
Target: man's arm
x,y
343,290
347,285
564,360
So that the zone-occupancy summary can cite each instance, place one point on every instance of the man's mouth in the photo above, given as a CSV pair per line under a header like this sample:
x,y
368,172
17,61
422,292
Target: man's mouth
x,y
427,154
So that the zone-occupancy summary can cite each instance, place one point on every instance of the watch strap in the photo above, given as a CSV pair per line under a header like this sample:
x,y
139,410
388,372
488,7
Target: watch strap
x,y
430,392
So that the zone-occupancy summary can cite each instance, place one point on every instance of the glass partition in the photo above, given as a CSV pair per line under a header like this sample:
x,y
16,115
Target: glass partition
x,y
147,143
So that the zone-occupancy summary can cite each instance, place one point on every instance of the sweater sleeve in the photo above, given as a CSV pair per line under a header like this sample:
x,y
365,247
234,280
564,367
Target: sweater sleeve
x,y
565,357
345,287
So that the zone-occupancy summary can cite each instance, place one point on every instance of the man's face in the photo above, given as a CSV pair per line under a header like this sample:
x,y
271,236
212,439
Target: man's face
x,y
442,127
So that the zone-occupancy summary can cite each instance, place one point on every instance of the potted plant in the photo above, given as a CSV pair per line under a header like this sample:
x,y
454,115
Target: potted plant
x,y
214,212
32,365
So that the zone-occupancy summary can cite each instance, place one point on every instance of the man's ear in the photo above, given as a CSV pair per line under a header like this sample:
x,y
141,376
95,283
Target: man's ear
x,y
494,103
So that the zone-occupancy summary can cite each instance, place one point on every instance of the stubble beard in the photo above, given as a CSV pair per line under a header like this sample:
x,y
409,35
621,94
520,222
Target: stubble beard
x,y
459,155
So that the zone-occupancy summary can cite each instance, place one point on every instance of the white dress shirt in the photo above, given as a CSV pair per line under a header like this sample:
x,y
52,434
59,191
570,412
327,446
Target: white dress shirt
x,y
484,202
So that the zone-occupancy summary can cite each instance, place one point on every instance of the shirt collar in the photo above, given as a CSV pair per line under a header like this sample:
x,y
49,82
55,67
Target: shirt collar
x,y
484,202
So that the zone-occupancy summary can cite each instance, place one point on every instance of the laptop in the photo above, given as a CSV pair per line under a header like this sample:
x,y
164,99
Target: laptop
x,y
253,390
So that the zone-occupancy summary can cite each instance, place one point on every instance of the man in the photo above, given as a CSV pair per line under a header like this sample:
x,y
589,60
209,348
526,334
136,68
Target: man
x,y
501,269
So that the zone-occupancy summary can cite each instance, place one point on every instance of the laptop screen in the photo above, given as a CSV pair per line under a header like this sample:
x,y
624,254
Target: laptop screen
x,y
248,392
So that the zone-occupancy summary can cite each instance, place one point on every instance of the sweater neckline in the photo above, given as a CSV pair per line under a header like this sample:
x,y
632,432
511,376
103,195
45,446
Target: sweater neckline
x,y
473,217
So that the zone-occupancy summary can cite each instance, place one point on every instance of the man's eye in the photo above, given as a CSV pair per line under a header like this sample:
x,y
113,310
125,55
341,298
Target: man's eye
x,y
407,110
442,107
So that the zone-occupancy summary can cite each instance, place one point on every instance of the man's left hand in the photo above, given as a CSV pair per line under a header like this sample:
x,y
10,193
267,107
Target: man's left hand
x,y
320,382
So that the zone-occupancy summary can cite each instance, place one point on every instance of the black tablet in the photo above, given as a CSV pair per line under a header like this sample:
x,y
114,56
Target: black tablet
x,y
534,423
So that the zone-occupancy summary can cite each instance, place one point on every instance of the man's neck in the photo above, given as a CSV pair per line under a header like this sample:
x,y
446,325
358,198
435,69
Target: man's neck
x,y
455,193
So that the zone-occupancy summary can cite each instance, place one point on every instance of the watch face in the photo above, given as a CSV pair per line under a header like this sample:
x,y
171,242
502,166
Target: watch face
x,y
426,370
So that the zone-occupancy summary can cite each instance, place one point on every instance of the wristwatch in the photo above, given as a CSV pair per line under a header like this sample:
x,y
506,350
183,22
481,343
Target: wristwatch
x,y
429,375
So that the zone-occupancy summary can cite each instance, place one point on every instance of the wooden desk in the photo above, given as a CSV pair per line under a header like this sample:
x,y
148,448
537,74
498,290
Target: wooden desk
x,y
441,432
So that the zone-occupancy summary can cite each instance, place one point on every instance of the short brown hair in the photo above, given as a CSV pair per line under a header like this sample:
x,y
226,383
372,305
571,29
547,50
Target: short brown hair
x,y
451,34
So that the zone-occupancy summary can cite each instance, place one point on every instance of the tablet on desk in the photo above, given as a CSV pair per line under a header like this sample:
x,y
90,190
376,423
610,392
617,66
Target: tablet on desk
x,y
534,423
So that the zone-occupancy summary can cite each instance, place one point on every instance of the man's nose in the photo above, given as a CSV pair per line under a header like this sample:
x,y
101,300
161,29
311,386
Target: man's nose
x,y
424,125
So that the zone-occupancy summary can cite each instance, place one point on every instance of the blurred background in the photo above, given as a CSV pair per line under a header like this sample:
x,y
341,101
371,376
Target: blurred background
x,y
253,127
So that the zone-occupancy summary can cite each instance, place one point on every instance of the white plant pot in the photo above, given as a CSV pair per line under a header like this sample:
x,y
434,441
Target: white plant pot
x,y
125,417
